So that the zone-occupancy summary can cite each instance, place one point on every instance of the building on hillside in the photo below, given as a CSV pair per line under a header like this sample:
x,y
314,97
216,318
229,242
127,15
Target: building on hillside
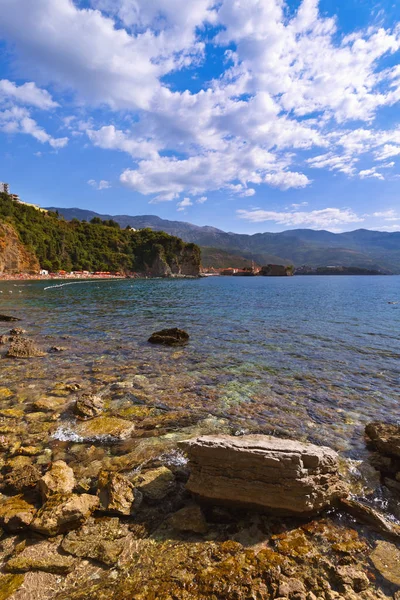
x,y
4,187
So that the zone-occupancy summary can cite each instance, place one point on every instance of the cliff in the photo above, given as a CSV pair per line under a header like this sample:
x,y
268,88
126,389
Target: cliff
x,y
14,257
276,271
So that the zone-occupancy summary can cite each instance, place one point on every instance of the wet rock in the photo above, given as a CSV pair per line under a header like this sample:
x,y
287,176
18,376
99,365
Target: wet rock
x,y
349,576
23,348
16,514
384,437
370,516
10,584
16,331
8,319
169,337
59,479
56,349
105,427
49,404
155,484
88,406
101,539
386,559
189,518
116,493
41,557
22,478
63,513
281,476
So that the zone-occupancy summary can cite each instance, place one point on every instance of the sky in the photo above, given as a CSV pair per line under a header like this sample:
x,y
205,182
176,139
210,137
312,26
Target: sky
x,y
247,115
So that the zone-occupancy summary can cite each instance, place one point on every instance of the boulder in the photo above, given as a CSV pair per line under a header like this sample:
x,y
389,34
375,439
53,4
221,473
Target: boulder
x,y
23,348
62,513
16,514
59,479
155,484
105,427
385,438
190,518
102,540
88,406
280,476
170,337
116,493
386,559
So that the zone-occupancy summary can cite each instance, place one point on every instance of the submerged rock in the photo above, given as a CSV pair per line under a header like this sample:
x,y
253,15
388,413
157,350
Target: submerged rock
x,y
170,337
386,559
189,518
59,479
116,493
8,319
41,557
103,427
10,584
155,484
101,539
62,513
370,516
281,476
23,348
16,514
22,478
88,406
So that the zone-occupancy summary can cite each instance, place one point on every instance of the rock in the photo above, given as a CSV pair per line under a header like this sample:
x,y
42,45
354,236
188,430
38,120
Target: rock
x,y
384,437
10,584
291,588
56,349
8,319
116,493
63,513
41,557
59,479
105,427
351,577
16,514
50,404
281,476
88,406
16,332
22,478
102,540
386,559
156,483
23,348
370,516
189,518
169,337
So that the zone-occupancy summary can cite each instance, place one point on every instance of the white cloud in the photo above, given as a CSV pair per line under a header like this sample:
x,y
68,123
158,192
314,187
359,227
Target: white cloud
x,y
201,200
387,151
184,204
286,180
371,173
387,215
321,219
18,120
28,93
101,185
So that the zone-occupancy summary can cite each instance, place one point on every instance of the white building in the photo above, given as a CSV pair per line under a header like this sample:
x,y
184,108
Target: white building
x,y
4,187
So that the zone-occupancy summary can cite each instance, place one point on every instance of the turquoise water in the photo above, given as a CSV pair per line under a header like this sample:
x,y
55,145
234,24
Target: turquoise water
x,y
306,357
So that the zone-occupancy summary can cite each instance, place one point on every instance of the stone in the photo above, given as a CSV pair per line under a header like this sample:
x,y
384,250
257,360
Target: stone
x,y
370,516
16,514
105,428
190,518
10,584
41,557
255,471
16,331
49,404
62,513
8,319
351,577
116,493
101,539
23,348
386,559
88,406
155,484
22,478
385,437
59,479
56,349
291,588
169,337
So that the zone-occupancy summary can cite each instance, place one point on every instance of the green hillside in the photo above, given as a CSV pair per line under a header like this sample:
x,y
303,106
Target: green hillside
x,y
96,246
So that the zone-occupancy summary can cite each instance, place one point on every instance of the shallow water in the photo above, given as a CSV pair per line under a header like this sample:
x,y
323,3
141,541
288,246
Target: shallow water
x,y
313,358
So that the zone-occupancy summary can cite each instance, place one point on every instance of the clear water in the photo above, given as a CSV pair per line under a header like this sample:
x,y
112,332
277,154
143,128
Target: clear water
x,y
312,358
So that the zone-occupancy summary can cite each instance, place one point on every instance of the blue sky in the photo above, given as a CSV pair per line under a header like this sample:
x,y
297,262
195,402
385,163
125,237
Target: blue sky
x,y
249,115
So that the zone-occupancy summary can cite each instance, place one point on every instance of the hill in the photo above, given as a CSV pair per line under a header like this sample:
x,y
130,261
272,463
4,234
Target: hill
x,y
361,248
56,244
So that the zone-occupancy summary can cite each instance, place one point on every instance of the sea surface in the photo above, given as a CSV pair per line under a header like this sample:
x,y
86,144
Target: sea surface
x,y
311,358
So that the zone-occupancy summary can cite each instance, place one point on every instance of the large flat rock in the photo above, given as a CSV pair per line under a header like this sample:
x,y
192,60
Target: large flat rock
x,y
256,471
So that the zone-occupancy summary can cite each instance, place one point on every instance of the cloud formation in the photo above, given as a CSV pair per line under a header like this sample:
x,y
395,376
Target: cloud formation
x,y
328,218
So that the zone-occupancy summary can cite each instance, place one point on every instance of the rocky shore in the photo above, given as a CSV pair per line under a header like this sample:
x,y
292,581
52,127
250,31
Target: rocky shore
x,y
107,494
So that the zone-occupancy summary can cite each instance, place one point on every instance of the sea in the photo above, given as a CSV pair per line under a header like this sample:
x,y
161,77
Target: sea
x,y
312,358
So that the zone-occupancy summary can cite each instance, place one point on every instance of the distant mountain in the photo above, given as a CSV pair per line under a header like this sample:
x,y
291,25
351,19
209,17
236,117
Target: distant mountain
x,y
360,248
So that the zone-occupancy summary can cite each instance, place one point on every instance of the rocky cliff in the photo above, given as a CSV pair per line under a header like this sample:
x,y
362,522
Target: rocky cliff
x,y
185,263
14,257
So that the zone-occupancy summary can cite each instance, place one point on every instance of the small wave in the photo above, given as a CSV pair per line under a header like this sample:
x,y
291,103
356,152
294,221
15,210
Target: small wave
x,y
174,458
67,434
60,285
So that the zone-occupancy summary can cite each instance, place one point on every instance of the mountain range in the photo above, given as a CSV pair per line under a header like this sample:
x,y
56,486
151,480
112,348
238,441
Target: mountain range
x,y
361,248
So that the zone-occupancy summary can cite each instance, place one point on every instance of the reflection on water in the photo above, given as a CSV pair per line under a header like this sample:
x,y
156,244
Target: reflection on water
x,y
307,357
